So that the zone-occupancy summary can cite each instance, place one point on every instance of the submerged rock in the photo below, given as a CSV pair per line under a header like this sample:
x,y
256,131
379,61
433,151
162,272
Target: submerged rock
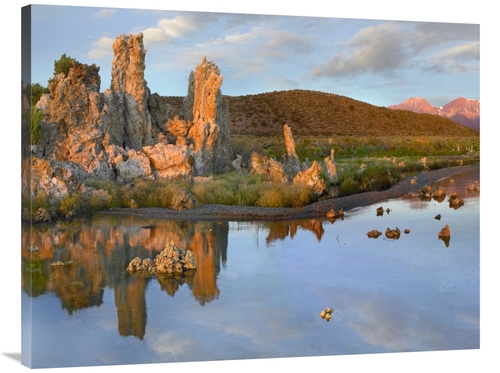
x,y
455,201
374,233
393,234
445,235
445,232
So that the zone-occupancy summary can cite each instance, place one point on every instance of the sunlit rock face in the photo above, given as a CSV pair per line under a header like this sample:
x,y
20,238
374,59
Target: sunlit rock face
x,y
291,161
74,121
270,168
170,161
125,133
207,110
312,178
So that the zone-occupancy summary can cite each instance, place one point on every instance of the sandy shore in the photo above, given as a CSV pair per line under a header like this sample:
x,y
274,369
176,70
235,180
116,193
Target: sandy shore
x,y
314,210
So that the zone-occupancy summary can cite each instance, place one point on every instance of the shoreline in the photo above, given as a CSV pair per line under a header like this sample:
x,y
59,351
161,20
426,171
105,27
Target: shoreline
x,y
314,210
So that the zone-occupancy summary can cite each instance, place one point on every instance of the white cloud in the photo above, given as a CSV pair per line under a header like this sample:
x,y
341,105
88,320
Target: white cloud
x,y
464,51
458,59
102,48
155,35
373,49
170,343
428,34
104,13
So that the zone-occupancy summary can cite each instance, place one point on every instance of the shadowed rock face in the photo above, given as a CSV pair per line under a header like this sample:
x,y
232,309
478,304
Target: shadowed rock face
x,y
129,94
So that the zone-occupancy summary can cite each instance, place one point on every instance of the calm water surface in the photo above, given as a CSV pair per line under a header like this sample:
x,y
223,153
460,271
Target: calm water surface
x,y
259,287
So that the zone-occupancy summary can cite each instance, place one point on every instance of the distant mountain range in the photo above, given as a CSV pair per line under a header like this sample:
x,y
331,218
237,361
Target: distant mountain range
x,y
460,110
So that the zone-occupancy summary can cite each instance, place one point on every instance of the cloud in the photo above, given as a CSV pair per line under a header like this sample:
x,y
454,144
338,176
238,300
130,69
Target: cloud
x,y
464,52
391,47
457,59
171,343
105,13
181,26
374,49
102,48
279,45
428,35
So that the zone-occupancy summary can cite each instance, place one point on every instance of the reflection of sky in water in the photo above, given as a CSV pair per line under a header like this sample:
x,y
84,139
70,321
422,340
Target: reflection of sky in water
x,y
411,294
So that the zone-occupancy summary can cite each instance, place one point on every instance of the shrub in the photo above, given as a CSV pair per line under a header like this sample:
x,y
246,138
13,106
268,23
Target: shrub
x,y
37,90
70,203
285,195
36,128
63,65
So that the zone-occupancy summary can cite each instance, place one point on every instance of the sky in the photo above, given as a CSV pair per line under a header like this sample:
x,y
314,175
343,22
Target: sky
x,y
381,62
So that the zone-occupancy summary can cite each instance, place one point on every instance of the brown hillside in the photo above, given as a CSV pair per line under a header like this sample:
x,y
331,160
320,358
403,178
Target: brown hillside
x,y
327,114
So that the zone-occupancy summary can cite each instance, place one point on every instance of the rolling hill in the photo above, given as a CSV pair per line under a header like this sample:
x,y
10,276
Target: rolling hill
x,y
326,114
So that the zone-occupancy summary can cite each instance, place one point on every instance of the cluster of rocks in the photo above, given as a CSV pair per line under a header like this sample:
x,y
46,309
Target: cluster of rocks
x,y
473,187
172,260
326,313
427,192
393,234
380,211
128,133
125,132
291,169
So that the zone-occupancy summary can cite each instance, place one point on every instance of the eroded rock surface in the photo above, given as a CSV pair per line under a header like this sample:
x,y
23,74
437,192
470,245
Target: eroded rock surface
x,y
270,168
290,160
207,110
129,93
172,260
126,132
312,178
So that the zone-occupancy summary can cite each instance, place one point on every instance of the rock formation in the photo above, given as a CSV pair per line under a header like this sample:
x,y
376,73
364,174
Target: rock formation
x,y
393,234
455,201
172,260
129,94
445,235
374,233
290,160
312,178
331,169
270,168
170,161
207,111
124,133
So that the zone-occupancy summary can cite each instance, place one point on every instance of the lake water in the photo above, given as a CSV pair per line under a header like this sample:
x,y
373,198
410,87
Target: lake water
x,y
259,287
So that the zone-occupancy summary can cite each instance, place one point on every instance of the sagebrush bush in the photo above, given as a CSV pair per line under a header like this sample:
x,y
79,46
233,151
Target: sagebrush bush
x,y
70,203
285,195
